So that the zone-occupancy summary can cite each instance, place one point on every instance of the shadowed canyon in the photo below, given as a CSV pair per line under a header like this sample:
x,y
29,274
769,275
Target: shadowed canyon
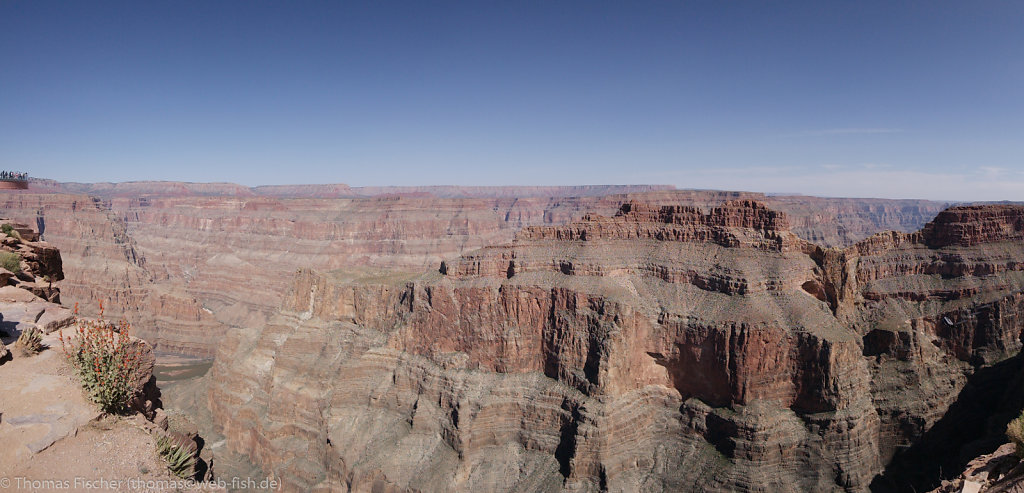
x,y
616,338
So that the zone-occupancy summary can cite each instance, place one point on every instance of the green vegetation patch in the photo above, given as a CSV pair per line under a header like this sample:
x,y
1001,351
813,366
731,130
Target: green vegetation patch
x,y
1015,432
10,261
30,342
178,457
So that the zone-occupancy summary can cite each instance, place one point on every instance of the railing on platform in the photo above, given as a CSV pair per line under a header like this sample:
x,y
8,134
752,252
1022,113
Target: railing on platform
x,y
13,180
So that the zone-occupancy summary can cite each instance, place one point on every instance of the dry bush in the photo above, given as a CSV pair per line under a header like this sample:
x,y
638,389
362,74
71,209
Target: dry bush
x,y
1015,432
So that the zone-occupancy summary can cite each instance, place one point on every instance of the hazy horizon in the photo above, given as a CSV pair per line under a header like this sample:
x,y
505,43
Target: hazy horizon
x,y
515,185
872,99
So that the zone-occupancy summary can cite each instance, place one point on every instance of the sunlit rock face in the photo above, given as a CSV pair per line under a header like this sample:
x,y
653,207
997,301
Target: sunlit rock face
x,y
662,348
186,261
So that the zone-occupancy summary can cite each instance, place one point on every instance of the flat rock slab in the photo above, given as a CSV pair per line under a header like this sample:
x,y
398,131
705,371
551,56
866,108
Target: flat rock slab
x,y
55,317
57,424
50,431
41,402
971,487
14,294
21,310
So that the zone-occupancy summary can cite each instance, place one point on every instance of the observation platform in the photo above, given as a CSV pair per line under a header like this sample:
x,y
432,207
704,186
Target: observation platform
x,y
12,180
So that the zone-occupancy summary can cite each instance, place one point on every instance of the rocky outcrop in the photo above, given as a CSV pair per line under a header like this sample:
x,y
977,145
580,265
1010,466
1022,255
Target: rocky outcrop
x,y
53,435
677,223
54,438
28,299
973,225
30,264
1001,471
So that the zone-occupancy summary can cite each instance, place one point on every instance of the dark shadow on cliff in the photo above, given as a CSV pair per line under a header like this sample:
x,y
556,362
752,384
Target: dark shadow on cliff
x,y
975,424
202,468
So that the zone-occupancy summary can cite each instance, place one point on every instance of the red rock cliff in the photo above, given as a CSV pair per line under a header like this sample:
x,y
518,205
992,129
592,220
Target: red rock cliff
x,y
661,349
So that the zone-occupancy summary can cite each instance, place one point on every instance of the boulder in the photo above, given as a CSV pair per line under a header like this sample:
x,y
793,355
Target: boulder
x,y
44,290
160,419
55,317
44,260
145,394
13,294
5,275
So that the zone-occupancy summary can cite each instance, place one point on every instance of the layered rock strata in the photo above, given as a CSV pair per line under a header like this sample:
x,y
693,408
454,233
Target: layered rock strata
x,y
185,261
28,263
662,349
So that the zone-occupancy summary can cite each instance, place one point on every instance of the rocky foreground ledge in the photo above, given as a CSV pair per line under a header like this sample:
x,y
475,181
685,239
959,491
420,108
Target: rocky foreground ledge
x,y
52,437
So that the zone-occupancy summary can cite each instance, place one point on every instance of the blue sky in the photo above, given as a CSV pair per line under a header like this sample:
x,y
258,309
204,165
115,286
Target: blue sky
x,y
886,99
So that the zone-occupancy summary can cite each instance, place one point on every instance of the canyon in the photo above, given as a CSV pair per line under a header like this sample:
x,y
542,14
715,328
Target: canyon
x,y
54,436
184,262
660,349
598,338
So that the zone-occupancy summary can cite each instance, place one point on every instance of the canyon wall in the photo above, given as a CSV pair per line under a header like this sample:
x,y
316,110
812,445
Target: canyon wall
x,y
665,348
185,261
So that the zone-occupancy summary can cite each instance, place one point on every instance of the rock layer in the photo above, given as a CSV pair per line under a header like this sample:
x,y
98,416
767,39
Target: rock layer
x,y
183,262
662,349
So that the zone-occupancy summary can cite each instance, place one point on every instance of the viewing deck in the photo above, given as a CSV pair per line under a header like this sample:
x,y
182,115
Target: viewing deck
x,y
13,180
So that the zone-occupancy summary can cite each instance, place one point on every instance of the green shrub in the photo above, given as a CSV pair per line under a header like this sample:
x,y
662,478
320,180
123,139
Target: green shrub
x,y
1015,432
30,341
15,234
180,460
7,228
106,362
10,261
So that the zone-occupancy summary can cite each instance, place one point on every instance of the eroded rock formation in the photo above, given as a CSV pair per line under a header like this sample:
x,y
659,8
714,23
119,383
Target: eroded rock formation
x,y
186,261
663,349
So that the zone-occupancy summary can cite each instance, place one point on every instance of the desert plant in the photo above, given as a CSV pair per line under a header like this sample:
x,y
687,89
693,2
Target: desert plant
x,y
180,460
106,362
30,341
10,261
1015,432
10,231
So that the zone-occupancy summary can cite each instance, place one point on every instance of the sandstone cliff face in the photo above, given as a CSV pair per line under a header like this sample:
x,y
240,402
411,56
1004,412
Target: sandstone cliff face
x,y
664,348
185,261
102,263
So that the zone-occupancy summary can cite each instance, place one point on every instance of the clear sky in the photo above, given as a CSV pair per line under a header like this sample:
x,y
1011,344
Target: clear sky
x,y
841,98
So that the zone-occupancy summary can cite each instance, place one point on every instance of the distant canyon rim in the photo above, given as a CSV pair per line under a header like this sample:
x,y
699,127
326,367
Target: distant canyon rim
x,y
595,338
